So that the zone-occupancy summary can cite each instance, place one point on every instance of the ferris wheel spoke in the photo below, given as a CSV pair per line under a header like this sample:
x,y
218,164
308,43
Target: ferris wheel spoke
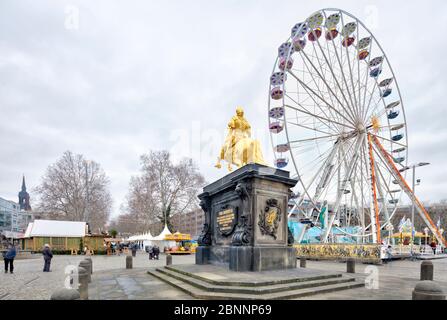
x,y
313,139
320,91
354,197
366,78
336,80
356,107
343,186
306,111
358,76
321,98
382,195
342,73
389,140
319,117
324,184
328,87
324,75
306,127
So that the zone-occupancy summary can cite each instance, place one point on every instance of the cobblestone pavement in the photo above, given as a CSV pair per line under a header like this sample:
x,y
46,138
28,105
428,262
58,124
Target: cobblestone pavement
x,y
28,282
396,280
111,280
133,284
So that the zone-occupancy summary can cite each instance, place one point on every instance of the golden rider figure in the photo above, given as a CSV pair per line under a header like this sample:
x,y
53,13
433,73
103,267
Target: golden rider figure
x,y
239,149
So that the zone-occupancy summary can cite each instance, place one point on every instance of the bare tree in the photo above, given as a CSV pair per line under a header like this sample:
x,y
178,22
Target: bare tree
x,y
77,190
162,190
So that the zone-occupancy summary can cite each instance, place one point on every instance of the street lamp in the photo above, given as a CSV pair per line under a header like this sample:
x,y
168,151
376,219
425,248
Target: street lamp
x,y
413,167
86,209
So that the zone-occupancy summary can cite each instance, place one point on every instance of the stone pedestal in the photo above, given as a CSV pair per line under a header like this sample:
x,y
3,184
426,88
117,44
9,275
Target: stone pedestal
x,y
129,262
246,220
426,270
428,290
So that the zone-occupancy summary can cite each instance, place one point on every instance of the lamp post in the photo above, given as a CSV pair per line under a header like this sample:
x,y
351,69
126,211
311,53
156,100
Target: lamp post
x,y
86,209
413,167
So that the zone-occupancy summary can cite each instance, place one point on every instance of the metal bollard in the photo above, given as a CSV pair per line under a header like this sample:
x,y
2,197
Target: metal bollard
x,y
426,270
86,265
302,262
91,264
83,283
350,265
168,259
65,294
129,262
427,290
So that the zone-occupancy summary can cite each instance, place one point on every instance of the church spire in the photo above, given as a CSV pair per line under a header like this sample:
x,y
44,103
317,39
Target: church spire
x,y
23,184
24,197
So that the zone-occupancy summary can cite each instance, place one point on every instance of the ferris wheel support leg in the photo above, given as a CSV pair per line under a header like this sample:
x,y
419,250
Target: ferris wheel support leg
x,y
404,185
375,212
343,186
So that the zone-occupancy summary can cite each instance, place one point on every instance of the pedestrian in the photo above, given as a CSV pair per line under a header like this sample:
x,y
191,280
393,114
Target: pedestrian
x,y
151,252
9,256
155,252
134,250
47,256
433,246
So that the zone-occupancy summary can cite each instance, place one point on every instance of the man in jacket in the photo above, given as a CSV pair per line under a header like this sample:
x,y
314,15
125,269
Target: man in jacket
x,y
47,256
9,256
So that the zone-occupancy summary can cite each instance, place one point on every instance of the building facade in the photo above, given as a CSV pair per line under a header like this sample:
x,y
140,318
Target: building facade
x,y
191,222
9,215
13,219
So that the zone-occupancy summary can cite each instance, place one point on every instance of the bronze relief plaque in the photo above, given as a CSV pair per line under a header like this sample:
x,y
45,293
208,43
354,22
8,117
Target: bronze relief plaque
x,y
226,220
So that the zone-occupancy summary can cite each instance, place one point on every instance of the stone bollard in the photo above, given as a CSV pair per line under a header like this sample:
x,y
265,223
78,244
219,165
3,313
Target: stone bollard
x,y
129,262
426,270
65,294
91,264
302,262
83,283
86,265
428,290
350,265
168,259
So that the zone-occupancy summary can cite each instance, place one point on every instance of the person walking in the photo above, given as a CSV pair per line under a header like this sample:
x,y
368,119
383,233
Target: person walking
x,y
47,256
433,246
155,252
134,249
9,256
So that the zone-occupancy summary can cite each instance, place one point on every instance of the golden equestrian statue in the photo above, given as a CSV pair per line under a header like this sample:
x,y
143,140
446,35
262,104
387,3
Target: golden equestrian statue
x,y
239,148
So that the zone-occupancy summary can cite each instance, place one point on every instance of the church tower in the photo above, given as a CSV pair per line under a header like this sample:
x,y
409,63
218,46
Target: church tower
x,y
24,197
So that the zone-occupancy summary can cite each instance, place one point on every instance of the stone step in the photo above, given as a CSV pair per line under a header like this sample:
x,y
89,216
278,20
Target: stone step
x,y
272,288
297,293
258,283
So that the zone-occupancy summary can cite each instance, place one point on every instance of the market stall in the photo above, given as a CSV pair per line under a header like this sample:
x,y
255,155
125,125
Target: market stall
x,y
183,243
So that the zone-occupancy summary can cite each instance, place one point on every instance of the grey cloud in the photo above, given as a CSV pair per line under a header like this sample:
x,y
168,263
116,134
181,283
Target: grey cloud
x,y
134,73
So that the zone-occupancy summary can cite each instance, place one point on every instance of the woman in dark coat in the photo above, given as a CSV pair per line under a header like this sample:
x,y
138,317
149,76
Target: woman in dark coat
x,y
47,256
9,256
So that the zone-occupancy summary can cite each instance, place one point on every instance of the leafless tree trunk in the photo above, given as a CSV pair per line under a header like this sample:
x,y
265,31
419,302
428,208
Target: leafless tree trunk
x,y
162,190
77,190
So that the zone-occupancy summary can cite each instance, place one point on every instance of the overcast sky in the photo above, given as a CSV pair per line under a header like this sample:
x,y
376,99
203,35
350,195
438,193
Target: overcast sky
x,y
114,79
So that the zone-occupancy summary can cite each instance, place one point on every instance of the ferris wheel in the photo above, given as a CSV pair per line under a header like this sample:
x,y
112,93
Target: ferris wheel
x,y
336,118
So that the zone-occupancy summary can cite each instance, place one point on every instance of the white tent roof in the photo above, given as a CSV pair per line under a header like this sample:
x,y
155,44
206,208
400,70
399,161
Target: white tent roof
x,y
28,230
141,237
162,235
53,228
